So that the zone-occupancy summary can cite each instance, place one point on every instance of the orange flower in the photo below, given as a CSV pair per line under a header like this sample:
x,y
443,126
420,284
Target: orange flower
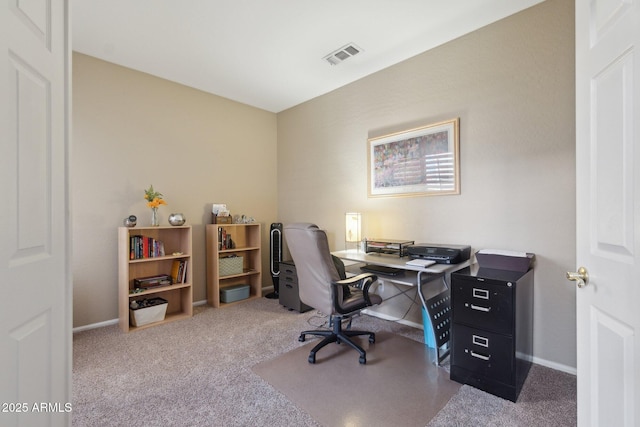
x,y
154,198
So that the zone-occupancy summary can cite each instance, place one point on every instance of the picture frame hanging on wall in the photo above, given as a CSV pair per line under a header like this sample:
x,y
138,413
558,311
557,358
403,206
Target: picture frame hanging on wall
x,y
423,161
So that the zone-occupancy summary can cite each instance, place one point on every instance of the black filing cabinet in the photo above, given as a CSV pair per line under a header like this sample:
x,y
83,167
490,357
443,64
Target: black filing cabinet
x,y
289,294
492,329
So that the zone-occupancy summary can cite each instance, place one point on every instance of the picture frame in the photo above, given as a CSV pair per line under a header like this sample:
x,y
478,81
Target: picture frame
x,y
423,161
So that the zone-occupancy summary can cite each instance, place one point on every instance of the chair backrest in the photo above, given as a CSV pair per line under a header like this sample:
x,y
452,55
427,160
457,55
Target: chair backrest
x,y
309,249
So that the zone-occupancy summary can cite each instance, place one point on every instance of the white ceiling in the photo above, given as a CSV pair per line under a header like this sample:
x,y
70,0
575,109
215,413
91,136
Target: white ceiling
x,y
269,53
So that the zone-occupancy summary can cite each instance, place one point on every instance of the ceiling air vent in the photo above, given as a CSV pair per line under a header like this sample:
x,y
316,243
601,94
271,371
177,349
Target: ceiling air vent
x,y
342,54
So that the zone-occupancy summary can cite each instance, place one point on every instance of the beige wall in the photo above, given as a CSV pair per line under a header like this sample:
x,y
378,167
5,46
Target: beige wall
x,y
512,85
131,130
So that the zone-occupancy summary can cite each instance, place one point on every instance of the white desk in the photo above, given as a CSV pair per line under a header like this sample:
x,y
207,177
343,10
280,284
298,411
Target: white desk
x,y
412,283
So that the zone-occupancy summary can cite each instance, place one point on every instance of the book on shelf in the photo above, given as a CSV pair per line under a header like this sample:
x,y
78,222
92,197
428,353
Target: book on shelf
x,y
175,267
183,277
179,271
184,272
145,247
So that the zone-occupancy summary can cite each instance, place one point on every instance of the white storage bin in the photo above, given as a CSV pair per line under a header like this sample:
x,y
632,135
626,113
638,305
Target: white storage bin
x,y
150,311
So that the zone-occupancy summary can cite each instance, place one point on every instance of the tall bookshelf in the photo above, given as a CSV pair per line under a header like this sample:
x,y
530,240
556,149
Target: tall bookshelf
x,y
246,239
174,244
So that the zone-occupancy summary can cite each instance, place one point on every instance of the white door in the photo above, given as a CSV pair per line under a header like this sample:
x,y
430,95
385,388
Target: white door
x,y
608,211
35,285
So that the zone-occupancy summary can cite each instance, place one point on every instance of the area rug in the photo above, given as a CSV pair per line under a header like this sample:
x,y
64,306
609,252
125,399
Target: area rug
x,y
399,385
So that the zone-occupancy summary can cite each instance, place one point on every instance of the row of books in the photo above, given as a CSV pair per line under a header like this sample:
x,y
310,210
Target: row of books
x,y
179,271
224,239
145,247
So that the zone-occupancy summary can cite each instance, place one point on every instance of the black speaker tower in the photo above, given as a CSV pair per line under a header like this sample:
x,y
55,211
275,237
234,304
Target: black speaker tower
x,y
275,236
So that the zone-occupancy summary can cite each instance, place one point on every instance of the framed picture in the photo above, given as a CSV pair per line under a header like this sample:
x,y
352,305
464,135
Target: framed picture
x,y
417,162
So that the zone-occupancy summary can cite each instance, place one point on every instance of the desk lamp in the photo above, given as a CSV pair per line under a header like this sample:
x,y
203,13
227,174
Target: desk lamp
x,y
352,229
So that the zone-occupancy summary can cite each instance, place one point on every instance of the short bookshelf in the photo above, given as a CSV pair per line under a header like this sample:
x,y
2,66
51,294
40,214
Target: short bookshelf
x,y
155,262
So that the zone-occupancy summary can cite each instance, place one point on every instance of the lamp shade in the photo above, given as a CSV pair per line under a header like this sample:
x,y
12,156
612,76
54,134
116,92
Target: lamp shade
x,y
352,227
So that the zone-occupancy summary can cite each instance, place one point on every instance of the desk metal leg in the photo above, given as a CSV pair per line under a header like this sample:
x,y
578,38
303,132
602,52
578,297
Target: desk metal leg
x,y
441,303
420,283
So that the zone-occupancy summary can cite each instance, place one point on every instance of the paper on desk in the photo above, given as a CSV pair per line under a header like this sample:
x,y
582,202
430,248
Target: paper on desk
x,y
420,262
503,252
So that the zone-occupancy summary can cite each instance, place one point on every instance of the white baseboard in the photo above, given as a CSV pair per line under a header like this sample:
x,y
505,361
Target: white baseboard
x,y
95,325
115,321
543,362
553,365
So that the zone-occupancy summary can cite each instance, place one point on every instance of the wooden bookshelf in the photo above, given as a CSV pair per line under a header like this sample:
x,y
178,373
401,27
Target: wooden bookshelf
x,y
246,238
177,244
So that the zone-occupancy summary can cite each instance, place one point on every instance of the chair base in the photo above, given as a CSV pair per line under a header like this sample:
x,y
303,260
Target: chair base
x,y
338,335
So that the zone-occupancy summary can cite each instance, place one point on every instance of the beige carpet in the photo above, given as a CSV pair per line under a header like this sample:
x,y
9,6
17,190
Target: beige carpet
x,y
399,385
202,372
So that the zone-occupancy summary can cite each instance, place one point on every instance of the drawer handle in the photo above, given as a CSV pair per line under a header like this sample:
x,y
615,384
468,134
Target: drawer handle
x,y
286,285
481,341
480,293
480,308
480,356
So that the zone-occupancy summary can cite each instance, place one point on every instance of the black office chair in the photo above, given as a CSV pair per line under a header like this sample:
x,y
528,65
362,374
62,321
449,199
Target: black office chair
x,y
322,287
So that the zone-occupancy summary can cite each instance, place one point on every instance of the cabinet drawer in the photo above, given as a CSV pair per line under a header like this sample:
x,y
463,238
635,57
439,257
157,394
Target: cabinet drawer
x,y
483,304
483,353
288,273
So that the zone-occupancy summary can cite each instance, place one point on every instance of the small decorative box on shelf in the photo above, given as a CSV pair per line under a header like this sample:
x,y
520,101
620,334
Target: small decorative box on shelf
x,y
219,219
230,265
152,281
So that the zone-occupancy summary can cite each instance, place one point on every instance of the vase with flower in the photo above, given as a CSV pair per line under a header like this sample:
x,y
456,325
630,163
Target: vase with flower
x,y
154,201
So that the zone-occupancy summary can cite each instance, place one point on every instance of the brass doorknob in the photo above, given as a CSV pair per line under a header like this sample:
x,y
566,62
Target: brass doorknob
x,y
581,277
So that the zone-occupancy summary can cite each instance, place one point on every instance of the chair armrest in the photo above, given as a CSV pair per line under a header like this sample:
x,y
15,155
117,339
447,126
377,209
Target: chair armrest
x,y
361,281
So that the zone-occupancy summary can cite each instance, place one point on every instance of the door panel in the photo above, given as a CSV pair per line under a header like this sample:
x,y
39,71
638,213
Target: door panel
x,y
612,363
32,147
35,307
612,137
608,211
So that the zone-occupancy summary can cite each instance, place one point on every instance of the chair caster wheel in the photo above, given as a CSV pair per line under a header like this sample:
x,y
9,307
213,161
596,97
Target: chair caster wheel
x,y
363,360
372,339
301,338
312,358
338,341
